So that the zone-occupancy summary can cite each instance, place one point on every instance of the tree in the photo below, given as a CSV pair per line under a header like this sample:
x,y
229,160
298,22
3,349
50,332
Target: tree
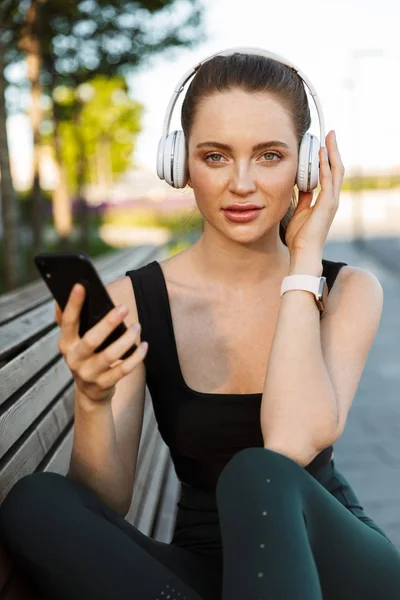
x,y
97,141
99,37
29,42
12,261
68,43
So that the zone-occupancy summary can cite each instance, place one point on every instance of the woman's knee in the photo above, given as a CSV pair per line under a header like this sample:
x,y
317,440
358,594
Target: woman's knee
x,y
256,471
257,460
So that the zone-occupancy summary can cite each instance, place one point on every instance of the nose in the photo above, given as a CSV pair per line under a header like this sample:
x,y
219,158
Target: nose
x,y
242,181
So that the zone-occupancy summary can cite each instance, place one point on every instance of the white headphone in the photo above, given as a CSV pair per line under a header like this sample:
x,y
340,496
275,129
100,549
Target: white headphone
x,y
171,153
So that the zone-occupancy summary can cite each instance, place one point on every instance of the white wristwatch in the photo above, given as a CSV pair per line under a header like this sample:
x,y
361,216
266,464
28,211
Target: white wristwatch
x,y
308,283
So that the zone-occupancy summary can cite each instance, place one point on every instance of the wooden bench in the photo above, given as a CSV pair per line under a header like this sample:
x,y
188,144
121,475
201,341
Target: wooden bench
x,y
36,411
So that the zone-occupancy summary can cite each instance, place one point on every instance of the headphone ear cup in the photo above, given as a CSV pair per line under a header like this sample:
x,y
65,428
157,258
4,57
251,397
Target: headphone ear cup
x,y
174,160
168,158
160,157
308,167
179,166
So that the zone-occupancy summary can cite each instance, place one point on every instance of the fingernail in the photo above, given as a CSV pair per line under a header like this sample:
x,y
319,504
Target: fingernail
x,y
122,310
136,328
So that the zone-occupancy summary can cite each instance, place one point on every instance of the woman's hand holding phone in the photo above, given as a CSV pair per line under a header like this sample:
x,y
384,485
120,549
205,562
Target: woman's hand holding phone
x,y
96,374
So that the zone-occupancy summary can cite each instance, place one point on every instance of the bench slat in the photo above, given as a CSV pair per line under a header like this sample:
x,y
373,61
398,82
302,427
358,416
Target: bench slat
x,y
19,332
37,445
22,413
59,462
25,366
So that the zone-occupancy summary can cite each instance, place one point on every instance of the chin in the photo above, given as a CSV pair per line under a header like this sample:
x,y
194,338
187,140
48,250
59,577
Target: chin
x,y
246,234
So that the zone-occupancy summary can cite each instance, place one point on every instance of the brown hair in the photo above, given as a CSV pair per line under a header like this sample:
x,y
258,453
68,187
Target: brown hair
x,y
252,73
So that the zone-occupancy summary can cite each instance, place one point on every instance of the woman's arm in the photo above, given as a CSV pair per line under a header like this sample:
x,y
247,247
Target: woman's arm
x,y
315,366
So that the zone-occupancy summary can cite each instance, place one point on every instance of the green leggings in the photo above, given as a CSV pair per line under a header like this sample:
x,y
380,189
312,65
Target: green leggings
x,y
297,541
285,536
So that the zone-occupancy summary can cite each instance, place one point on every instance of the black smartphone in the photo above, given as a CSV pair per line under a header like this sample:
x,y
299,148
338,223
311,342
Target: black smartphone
x,y
61,271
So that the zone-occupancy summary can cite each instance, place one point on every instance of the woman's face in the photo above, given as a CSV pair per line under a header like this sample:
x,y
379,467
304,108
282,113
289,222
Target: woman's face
x,y
242,149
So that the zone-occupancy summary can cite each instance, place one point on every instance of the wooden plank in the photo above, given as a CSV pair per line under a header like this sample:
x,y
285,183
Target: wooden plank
x,y
38,444
22,413
60,459
166,515
23,367
19,332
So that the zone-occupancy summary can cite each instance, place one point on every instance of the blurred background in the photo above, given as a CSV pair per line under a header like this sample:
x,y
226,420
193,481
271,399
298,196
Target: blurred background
x,y
83,90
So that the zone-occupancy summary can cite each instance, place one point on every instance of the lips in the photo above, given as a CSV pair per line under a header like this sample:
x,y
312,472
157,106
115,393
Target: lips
x,y
242,207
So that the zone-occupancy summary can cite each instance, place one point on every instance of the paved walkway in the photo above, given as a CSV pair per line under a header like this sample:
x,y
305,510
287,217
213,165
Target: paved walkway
x,y
368,452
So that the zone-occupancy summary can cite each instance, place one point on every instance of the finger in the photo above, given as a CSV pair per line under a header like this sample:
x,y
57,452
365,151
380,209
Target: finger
x,y
112,376
97,334
325,171
70,316
337,167
305,200
99,363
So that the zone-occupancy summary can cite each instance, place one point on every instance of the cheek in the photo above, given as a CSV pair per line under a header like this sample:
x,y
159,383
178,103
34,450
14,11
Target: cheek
x,y
278,181
206,181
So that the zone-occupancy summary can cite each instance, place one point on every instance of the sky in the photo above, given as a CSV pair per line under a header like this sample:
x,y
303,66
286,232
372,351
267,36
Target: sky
x,y
360,96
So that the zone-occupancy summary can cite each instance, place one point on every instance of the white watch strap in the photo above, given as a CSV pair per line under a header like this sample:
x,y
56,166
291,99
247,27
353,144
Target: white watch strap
x,y
309,283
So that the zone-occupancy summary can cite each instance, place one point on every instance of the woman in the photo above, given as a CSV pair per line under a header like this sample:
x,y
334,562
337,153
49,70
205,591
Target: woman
x,y
250,388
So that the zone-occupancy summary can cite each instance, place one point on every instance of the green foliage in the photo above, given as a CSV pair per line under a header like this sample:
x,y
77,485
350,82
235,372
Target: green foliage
x,y
90,37
99,124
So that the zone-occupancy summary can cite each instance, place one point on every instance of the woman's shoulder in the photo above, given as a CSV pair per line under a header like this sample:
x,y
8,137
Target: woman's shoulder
x,y
349,285
342,271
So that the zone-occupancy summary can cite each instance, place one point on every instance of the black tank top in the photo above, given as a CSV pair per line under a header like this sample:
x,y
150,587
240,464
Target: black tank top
x,y
202,430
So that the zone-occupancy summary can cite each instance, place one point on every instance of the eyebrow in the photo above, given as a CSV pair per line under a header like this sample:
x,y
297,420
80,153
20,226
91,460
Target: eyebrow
x,y
260,146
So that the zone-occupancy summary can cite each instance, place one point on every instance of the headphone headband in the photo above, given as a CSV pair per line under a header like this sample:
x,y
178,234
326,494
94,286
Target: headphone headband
x,y
252,51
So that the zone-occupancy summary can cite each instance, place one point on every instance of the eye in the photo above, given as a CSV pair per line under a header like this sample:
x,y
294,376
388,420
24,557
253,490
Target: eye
x,y
214,157
272,154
